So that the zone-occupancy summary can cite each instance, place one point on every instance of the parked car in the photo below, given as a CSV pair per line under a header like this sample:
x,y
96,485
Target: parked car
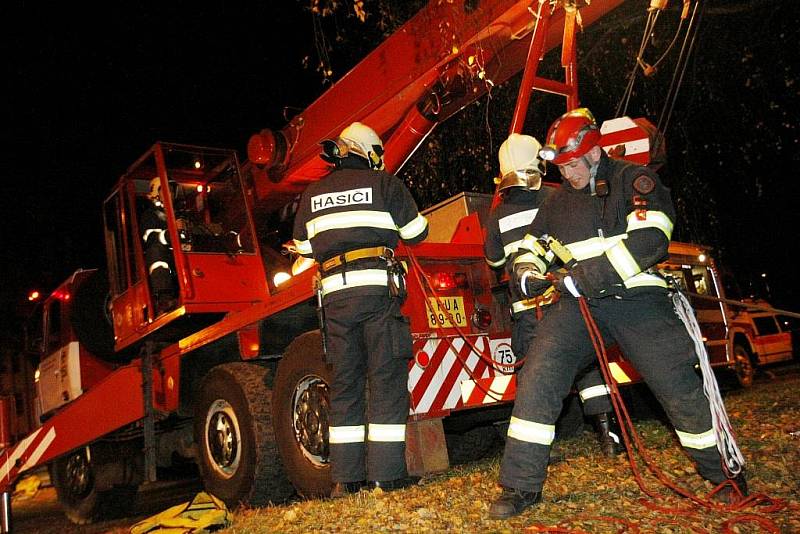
x,y
760,338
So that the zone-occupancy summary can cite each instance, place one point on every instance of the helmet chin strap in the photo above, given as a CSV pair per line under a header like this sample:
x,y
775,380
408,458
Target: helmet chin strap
x,y
592,173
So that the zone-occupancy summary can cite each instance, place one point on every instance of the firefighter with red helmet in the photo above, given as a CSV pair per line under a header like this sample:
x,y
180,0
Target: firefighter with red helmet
x,y
609,225
350,222
521,192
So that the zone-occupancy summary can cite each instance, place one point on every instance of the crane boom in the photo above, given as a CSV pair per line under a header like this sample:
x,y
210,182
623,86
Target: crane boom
x,y
442,59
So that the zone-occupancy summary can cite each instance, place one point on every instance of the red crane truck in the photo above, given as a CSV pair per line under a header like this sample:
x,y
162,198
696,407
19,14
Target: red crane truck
x,y
233,375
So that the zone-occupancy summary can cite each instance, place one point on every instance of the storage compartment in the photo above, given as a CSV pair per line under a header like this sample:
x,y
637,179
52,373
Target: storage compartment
x,y
443,218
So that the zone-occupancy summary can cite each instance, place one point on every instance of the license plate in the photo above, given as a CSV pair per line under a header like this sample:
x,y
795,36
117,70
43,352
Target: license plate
x,y
451,307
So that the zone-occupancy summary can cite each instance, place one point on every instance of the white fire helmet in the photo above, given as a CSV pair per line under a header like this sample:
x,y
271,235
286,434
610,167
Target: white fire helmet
x,y
362,140
520,165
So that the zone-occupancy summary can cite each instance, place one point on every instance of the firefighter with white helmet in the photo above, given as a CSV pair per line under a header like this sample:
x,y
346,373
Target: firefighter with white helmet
x,y
521,191
520,165
356,140
350,222
609,224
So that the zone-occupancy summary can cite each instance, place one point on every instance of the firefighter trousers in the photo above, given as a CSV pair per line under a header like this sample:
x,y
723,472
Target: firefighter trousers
x,y
651,337
159,263
369,347
589,382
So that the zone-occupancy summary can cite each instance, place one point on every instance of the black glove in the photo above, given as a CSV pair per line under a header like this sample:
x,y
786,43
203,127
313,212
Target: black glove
x,y
231,242
589,282
529,280
565,283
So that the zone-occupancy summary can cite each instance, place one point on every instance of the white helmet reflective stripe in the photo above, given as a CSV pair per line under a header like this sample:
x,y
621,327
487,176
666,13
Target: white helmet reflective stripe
x,y
363,141
519,157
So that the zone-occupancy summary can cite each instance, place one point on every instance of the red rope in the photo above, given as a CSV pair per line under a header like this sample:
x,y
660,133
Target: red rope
x,y
631,437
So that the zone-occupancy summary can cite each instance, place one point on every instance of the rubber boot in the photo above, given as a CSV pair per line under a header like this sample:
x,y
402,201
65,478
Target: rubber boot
x,y
609,435
733,491
513,502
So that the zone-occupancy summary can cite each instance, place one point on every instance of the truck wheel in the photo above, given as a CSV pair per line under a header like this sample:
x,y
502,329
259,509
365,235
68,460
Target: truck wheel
x,y
472,445
233,432
743,366
74,478
300,412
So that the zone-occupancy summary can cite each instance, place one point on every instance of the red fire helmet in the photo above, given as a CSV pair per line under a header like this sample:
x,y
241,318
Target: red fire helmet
x,y
571,136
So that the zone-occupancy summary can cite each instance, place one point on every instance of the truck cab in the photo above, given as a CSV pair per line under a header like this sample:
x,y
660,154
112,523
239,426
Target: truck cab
x,y
72,339
212,255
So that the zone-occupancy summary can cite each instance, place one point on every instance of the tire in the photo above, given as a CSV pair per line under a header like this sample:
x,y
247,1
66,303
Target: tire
x,y
472,445
89,316
743,366
300,412
74,478
233,431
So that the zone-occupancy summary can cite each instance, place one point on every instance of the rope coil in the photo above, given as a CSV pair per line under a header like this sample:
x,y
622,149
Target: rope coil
x,y
733,461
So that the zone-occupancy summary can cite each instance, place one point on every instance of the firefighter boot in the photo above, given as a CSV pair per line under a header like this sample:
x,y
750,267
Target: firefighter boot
x,y
734,490
342,489
609,435
513,502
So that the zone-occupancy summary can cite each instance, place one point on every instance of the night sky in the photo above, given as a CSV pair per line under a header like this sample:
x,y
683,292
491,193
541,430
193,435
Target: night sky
x,y
86,98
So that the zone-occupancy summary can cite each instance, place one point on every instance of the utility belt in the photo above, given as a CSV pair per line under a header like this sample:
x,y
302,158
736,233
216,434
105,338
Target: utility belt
x,y
359,254
335,274
550,296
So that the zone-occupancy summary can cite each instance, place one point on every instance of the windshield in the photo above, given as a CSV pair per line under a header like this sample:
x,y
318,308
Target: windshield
x,y
207,199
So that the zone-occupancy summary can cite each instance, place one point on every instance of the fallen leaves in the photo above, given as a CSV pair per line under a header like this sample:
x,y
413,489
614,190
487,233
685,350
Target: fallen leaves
x,y
587,492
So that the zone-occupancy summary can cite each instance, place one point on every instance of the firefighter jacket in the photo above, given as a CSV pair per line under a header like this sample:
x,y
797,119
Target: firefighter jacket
x,y
352,209
508,223
157,246
616,238
154,225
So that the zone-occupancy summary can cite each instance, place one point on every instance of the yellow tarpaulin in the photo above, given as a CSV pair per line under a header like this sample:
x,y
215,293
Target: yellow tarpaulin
x,y
203,514
27,487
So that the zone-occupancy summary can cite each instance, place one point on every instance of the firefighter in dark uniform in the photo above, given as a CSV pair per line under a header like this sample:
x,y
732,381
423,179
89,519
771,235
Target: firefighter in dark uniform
x,y
521,192
615,220
157,251
350,222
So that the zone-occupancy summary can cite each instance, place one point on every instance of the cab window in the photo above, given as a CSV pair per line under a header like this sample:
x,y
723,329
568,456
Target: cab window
x,y
765,326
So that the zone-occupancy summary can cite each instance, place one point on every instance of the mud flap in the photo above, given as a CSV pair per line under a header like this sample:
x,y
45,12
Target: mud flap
x,y
426,447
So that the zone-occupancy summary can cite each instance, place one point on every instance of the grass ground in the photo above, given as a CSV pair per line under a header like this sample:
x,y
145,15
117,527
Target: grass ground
x,y
586,492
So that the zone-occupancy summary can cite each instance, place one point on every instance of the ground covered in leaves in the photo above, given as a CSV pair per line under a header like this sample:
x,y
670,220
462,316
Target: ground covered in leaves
x,y
586,492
